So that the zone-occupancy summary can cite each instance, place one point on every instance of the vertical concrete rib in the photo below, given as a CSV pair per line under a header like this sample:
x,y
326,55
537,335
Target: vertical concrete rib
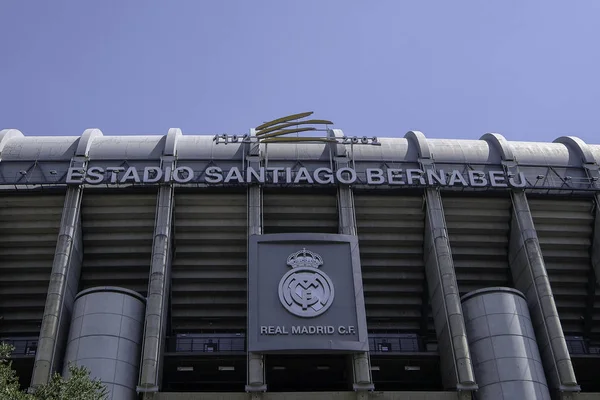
x,y
531,278
457,368
361,363
455,357
255,363
592,170
64,279
155,321
596,241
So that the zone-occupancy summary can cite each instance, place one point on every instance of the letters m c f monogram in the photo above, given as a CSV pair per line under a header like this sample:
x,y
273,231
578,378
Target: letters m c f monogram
x,y
305,291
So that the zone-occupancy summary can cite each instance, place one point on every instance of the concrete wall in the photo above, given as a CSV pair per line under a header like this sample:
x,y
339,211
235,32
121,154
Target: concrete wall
x,y
506,359
531,278
334,396
313,396
106,336
456,364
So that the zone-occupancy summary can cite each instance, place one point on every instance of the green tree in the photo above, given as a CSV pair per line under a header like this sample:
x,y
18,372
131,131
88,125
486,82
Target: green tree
x,y
9,382
78,386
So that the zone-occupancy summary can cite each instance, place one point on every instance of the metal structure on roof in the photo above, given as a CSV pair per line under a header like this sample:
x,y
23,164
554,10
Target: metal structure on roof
x,y
566,164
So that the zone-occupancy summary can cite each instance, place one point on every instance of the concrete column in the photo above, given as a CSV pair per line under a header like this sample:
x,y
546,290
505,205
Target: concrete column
x,y
501,338
593,173
254,210
592,170
105,337
158,294
156,313
531,278
62,289
256,381
361,362
596,242
64,279
456,364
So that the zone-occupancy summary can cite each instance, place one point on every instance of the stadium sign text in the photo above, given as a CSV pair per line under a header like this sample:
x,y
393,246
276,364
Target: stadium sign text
x,y
214,175
307,330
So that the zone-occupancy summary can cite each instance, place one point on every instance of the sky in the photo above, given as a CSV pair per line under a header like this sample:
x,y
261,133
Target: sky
x,y
527,69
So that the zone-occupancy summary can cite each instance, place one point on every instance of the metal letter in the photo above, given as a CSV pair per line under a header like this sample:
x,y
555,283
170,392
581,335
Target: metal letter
x,y
327,176
340,177
114,172
177,174
457,177
147,179
393,174
252,174
497,179
434,178
95,175
375,176
214,175
477,179
276,172
304,175
522,181
75,175
131,173
234,174
410,176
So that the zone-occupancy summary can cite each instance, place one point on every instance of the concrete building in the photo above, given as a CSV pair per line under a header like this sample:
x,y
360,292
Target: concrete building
x,y
464,269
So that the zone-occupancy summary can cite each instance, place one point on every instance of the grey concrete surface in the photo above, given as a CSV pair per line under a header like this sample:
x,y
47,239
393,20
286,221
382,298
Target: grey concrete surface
x,y
256,380
596,242
159,280
531,278
314,396
337,396
106,337
62,289
505,355
361,362
456,364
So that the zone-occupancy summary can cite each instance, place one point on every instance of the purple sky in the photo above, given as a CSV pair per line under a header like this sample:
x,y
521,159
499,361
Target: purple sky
x,y
457,69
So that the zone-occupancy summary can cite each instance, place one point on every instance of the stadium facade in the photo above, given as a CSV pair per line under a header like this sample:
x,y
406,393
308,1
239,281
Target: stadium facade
x,y
189,266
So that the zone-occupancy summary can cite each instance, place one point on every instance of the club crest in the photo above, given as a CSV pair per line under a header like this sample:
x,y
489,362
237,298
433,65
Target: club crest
x,y
305,290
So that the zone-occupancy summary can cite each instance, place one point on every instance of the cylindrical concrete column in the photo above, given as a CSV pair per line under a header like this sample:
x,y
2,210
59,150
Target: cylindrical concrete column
x,y
106,337
506,358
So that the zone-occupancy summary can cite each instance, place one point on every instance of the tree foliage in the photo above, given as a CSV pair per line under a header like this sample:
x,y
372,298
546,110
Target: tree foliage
x,y
78,386
9,382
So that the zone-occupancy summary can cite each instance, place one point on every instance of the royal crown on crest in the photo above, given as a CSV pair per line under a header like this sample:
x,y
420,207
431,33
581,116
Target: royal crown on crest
x,y
304,259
